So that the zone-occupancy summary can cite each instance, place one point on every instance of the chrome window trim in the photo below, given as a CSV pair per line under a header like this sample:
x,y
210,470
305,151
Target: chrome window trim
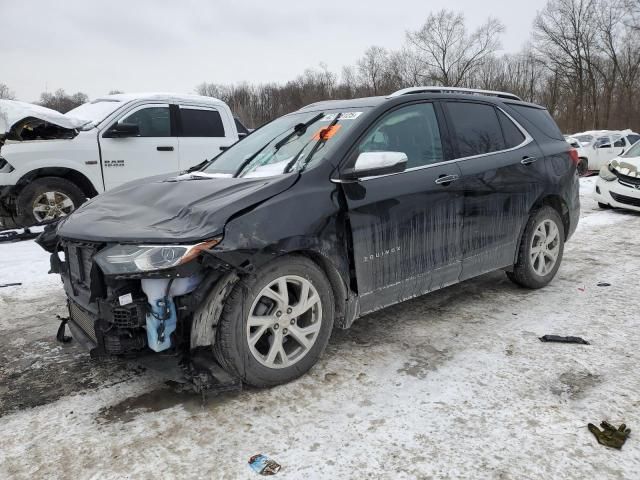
x,y
527,140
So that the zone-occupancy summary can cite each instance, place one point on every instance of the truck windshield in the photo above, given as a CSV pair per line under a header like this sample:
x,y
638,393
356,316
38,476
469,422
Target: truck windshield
x,y
95,112
271,149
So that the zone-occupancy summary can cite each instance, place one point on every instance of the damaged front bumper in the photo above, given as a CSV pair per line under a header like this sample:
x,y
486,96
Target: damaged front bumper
x,y
131,314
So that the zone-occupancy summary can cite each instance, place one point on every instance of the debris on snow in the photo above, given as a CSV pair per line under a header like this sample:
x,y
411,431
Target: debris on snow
x,y
604,284
610,436
264,465
561,339
10,284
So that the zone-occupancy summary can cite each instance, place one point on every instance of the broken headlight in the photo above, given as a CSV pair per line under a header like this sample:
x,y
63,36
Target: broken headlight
x,y
124,259
607,174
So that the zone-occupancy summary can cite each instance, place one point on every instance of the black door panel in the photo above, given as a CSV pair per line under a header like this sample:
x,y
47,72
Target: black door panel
x,y
406,232
499,192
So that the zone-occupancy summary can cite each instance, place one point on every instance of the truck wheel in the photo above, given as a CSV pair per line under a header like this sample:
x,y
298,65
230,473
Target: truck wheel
x,y
47,198
276,323
541,249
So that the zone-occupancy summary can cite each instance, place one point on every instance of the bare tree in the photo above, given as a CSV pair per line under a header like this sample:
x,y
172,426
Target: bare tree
x,y
5,93
60,101
372,68
449,54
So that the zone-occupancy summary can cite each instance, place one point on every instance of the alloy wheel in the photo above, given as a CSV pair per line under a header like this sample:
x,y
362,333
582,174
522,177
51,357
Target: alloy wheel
x,y
284,321
545,247
52,205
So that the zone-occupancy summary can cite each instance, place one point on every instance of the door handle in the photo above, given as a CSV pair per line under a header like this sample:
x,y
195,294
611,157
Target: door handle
x,y
164,149
528,160
446,179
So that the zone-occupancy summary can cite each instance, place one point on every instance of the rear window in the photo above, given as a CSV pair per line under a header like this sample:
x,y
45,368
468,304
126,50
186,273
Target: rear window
x,y
200,123
477,129
541,119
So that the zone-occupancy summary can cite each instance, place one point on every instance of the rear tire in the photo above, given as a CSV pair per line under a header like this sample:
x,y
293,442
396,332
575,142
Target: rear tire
x,y
267,338
46,199
541,249
583,167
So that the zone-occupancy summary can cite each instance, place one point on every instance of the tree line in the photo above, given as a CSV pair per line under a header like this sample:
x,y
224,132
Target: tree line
x,y
582,63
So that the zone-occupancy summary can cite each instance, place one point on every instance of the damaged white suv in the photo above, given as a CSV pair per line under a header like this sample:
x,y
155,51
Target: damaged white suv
x,y
51,163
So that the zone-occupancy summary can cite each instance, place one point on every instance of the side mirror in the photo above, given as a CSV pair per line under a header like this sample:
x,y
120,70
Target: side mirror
x,y
371,164
122,130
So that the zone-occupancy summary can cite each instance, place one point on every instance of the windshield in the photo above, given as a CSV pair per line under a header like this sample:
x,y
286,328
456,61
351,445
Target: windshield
x,y
95,111
272,148
634,151
583,138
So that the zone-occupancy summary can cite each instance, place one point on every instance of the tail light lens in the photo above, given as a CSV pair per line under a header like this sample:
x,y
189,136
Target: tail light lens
x,y
573,154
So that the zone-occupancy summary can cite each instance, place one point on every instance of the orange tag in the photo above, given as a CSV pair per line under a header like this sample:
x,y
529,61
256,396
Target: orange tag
x,y
326,133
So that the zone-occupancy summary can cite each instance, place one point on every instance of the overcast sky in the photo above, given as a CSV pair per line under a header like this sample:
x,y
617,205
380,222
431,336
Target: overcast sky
x,y
134,45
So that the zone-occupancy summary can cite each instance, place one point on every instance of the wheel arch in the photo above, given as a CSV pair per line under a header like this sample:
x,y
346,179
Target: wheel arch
x,y
550,200
336,280
74,176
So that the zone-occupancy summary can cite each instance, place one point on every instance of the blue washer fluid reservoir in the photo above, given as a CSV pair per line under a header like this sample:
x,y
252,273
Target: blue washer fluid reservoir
x,y
161,323
161,320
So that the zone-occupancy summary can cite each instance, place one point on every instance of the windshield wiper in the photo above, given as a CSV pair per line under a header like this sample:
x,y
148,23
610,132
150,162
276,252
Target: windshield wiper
x,y
322,137
298,129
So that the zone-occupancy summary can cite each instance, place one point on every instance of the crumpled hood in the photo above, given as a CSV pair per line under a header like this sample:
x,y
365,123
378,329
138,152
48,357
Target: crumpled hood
x,y
629,166
162,209
13,113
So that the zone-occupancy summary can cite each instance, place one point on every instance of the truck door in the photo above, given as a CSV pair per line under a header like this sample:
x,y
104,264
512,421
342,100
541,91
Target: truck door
x,y
406,227
153,150
202,134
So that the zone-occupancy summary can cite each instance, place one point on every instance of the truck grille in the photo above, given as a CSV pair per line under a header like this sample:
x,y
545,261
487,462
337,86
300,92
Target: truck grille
x,y
624,199
83,319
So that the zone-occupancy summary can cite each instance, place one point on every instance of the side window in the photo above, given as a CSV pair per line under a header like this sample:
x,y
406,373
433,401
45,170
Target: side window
x,y
412,130
477,129
198,122
151,121
512,134
602,142
619,142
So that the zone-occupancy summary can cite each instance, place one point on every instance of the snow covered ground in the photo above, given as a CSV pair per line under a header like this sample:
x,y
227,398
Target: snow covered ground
x,y
451,385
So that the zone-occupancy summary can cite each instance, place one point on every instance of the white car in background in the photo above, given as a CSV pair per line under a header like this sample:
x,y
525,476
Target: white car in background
x,y
598,147
618,183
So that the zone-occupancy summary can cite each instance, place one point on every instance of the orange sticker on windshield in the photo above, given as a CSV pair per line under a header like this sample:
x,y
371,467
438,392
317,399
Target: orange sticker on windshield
x,y
326,132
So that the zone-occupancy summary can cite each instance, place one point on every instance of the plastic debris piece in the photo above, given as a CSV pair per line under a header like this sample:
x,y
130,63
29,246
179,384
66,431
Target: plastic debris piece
x,y
561,339
10,284
582,289
610,436
604,284
263,465
60,335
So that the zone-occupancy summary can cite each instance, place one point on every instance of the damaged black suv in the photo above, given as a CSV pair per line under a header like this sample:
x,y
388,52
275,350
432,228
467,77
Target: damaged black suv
x,y
315,219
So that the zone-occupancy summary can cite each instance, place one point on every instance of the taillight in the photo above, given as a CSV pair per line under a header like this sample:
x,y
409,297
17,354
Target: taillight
x,y
573,154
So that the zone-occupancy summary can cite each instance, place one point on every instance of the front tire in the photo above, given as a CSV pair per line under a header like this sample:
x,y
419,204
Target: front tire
x,y
541,249
46,199
276,323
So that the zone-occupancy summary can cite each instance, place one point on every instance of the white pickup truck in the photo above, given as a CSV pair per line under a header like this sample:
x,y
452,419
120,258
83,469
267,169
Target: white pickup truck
x,y
51,163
